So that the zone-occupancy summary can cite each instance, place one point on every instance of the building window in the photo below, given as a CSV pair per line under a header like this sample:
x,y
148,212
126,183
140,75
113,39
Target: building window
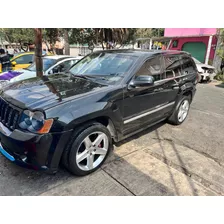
x,y
175,43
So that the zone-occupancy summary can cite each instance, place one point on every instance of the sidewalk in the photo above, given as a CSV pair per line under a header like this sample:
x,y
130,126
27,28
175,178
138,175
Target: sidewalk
x,y
163,168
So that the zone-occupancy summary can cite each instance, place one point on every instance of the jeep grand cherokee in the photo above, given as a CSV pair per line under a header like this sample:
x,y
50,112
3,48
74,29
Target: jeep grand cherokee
x,y
75,117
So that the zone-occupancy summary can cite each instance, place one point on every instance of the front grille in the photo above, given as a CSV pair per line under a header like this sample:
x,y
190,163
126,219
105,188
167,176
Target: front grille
x,y
9,115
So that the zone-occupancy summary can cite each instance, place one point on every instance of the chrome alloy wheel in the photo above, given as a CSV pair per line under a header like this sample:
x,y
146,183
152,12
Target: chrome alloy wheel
x,y
183,110
92,151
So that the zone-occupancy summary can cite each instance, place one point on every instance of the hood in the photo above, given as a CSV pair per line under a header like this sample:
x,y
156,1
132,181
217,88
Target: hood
x,y
24,74
17,75
46,92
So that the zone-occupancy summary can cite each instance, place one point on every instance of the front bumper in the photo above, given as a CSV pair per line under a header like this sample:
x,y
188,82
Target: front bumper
x,y
207,76
39,152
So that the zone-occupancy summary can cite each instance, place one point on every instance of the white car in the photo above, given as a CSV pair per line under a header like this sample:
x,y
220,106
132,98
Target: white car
x,y
51,65
206,72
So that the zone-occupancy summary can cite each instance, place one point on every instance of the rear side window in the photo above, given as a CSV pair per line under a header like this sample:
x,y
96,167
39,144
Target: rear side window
x,y
25,59
188,65
152,67
172,66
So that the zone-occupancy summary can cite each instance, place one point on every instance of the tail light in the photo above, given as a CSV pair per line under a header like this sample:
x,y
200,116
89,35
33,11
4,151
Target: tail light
x,y
198,76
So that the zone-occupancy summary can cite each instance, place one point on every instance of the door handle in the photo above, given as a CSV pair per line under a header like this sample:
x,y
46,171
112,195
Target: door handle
x,y
175,86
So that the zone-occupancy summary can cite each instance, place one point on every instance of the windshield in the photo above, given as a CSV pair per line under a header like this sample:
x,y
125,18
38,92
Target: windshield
x,y
47,63
196,61
110,67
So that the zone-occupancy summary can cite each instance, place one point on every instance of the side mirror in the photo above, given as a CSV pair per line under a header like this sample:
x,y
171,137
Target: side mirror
x,y
50,72
13,63
142,81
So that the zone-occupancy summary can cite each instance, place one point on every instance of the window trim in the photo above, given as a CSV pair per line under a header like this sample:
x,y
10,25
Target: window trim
x,y
149,58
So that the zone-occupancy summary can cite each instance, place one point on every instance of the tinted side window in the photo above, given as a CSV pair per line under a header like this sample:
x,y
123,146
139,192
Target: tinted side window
x,y
66,65
152,67
188,65
25,59
172,66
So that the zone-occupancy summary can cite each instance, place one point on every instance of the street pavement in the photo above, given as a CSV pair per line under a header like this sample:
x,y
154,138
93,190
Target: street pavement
x,y
163,160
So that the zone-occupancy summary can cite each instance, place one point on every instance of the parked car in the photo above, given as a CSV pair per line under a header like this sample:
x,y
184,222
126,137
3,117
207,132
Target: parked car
x,y
23,60
206,72
107,96
51,65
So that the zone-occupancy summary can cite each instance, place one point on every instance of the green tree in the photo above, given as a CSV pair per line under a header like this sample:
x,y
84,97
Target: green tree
x,y
220,50
158,32
23,36
92,36
143,33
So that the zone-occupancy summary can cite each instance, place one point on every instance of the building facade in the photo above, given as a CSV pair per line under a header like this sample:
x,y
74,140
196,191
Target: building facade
x,y
200,42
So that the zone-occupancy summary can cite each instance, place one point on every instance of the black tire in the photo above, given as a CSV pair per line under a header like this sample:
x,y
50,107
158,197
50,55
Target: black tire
x,y
69,155
173,119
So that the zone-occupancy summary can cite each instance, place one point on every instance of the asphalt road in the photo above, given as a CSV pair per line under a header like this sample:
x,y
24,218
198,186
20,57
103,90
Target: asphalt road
x,y
202,132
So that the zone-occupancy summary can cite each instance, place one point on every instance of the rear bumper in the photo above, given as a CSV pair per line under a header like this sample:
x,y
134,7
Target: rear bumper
x,y
39,152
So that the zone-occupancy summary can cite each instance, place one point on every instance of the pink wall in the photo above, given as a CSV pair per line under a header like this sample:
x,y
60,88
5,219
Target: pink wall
x,y
183,40
174,32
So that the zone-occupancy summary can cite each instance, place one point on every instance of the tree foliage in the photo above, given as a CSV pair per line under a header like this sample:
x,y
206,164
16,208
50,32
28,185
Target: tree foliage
x,y
158,32
51,35
23,36
143,33
107,37
220,50
90,36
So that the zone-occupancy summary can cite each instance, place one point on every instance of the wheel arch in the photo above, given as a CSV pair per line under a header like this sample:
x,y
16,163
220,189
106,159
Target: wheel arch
x,y
104,120
188,93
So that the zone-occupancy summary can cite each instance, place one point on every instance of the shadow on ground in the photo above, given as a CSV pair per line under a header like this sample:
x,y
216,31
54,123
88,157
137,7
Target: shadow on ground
x,y
220,85
133,174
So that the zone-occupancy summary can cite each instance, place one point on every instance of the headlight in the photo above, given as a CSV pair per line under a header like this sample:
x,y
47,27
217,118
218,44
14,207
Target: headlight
x,y
35,122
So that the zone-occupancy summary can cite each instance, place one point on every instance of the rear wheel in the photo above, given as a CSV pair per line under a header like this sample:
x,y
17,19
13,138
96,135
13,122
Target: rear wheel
x,y
88,149
181,111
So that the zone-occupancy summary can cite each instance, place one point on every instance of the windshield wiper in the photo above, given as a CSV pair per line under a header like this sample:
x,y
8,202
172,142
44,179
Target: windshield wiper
x,y
81,76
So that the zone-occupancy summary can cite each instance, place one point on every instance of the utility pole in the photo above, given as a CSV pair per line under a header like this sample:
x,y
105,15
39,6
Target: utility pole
x,y
38,52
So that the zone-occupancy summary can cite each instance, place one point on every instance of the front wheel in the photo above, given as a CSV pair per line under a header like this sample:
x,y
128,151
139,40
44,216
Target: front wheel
x,y
89,149
181,111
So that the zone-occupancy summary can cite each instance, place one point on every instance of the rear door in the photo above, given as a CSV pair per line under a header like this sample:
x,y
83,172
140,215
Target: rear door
x,y
173,74
188,70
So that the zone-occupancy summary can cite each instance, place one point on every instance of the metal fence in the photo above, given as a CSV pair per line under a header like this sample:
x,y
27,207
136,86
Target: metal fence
x,y
84,51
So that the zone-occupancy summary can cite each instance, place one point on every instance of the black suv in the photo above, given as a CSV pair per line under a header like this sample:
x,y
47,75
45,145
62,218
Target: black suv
x,y
107,96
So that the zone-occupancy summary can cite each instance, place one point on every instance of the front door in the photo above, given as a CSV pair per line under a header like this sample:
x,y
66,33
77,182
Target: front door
x,y
146,105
